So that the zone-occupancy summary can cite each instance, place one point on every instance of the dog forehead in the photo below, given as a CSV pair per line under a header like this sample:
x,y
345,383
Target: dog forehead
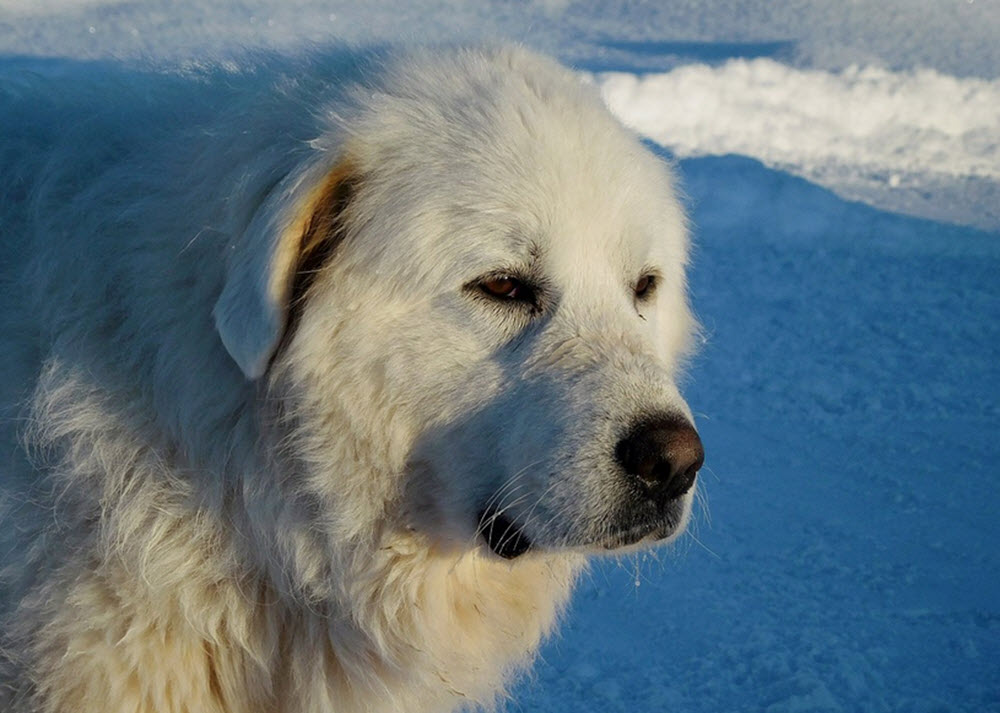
x,y
500,154
573,218
473,162
560,229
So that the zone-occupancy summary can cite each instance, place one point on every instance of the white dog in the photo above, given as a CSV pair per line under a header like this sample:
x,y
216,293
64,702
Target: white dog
x,y
321,378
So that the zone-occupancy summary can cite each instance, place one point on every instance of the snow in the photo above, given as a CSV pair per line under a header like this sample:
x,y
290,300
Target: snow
x,y
958,37
870,133
840,164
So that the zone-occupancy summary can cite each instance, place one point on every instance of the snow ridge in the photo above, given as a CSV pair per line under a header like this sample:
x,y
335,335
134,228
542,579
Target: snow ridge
x,y
866,132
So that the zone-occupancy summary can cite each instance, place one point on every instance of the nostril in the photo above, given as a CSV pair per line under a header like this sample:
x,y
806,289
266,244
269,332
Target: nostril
x,y
664,453
640,457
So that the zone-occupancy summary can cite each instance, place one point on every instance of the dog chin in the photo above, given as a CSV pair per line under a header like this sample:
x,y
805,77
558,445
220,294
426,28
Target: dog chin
x,y
507,540
640,538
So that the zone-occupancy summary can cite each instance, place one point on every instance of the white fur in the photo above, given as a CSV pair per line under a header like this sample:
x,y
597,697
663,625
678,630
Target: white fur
x,y
206,513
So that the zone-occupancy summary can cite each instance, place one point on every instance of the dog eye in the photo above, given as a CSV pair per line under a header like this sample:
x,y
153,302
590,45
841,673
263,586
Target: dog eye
x,y
645,287
507,288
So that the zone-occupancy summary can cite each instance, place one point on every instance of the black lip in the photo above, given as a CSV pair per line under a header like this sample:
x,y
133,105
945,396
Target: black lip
x,y
654,532
646,521
502,535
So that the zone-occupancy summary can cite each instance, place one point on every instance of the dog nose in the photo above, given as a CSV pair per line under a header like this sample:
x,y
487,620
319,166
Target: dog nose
x,y
665,454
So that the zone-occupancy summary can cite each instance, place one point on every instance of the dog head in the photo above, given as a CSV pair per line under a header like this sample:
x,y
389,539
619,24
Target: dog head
x,y
473,298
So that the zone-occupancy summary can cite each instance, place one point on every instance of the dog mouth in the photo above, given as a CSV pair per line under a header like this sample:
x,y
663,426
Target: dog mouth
x,y
503,536
506,539
646,525
647,533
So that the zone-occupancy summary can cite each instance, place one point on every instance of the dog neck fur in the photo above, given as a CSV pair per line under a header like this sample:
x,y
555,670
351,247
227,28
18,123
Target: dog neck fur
x,y
180,617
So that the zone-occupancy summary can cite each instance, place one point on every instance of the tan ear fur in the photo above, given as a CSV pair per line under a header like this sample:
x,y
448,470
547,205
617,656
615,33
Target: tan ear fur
x,y
322,234
270,268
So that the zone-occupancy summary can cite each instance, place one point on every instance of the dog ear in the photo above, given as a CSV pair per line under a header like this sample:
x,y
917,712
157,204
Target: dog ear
x,y
269,269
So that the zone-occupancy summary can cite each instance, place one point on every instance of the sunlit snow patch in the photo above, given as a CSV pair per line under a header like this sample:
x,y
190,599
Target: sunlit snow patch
x,y
918,141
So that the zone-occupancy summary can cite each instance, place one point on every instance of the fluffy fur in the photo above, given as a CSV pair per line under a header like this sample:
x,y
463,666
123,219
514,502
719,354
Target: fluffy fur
x,y
255,400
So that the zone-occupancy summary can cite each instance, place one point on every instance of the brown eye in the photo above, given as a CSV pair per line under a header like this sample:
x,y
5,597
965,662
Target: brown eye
x,y
644,287
504,287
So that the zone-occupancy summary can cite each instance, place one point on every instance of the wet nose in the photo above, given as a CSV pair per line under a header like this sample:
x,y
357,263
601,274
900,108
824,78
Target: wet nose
x,y
664,454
